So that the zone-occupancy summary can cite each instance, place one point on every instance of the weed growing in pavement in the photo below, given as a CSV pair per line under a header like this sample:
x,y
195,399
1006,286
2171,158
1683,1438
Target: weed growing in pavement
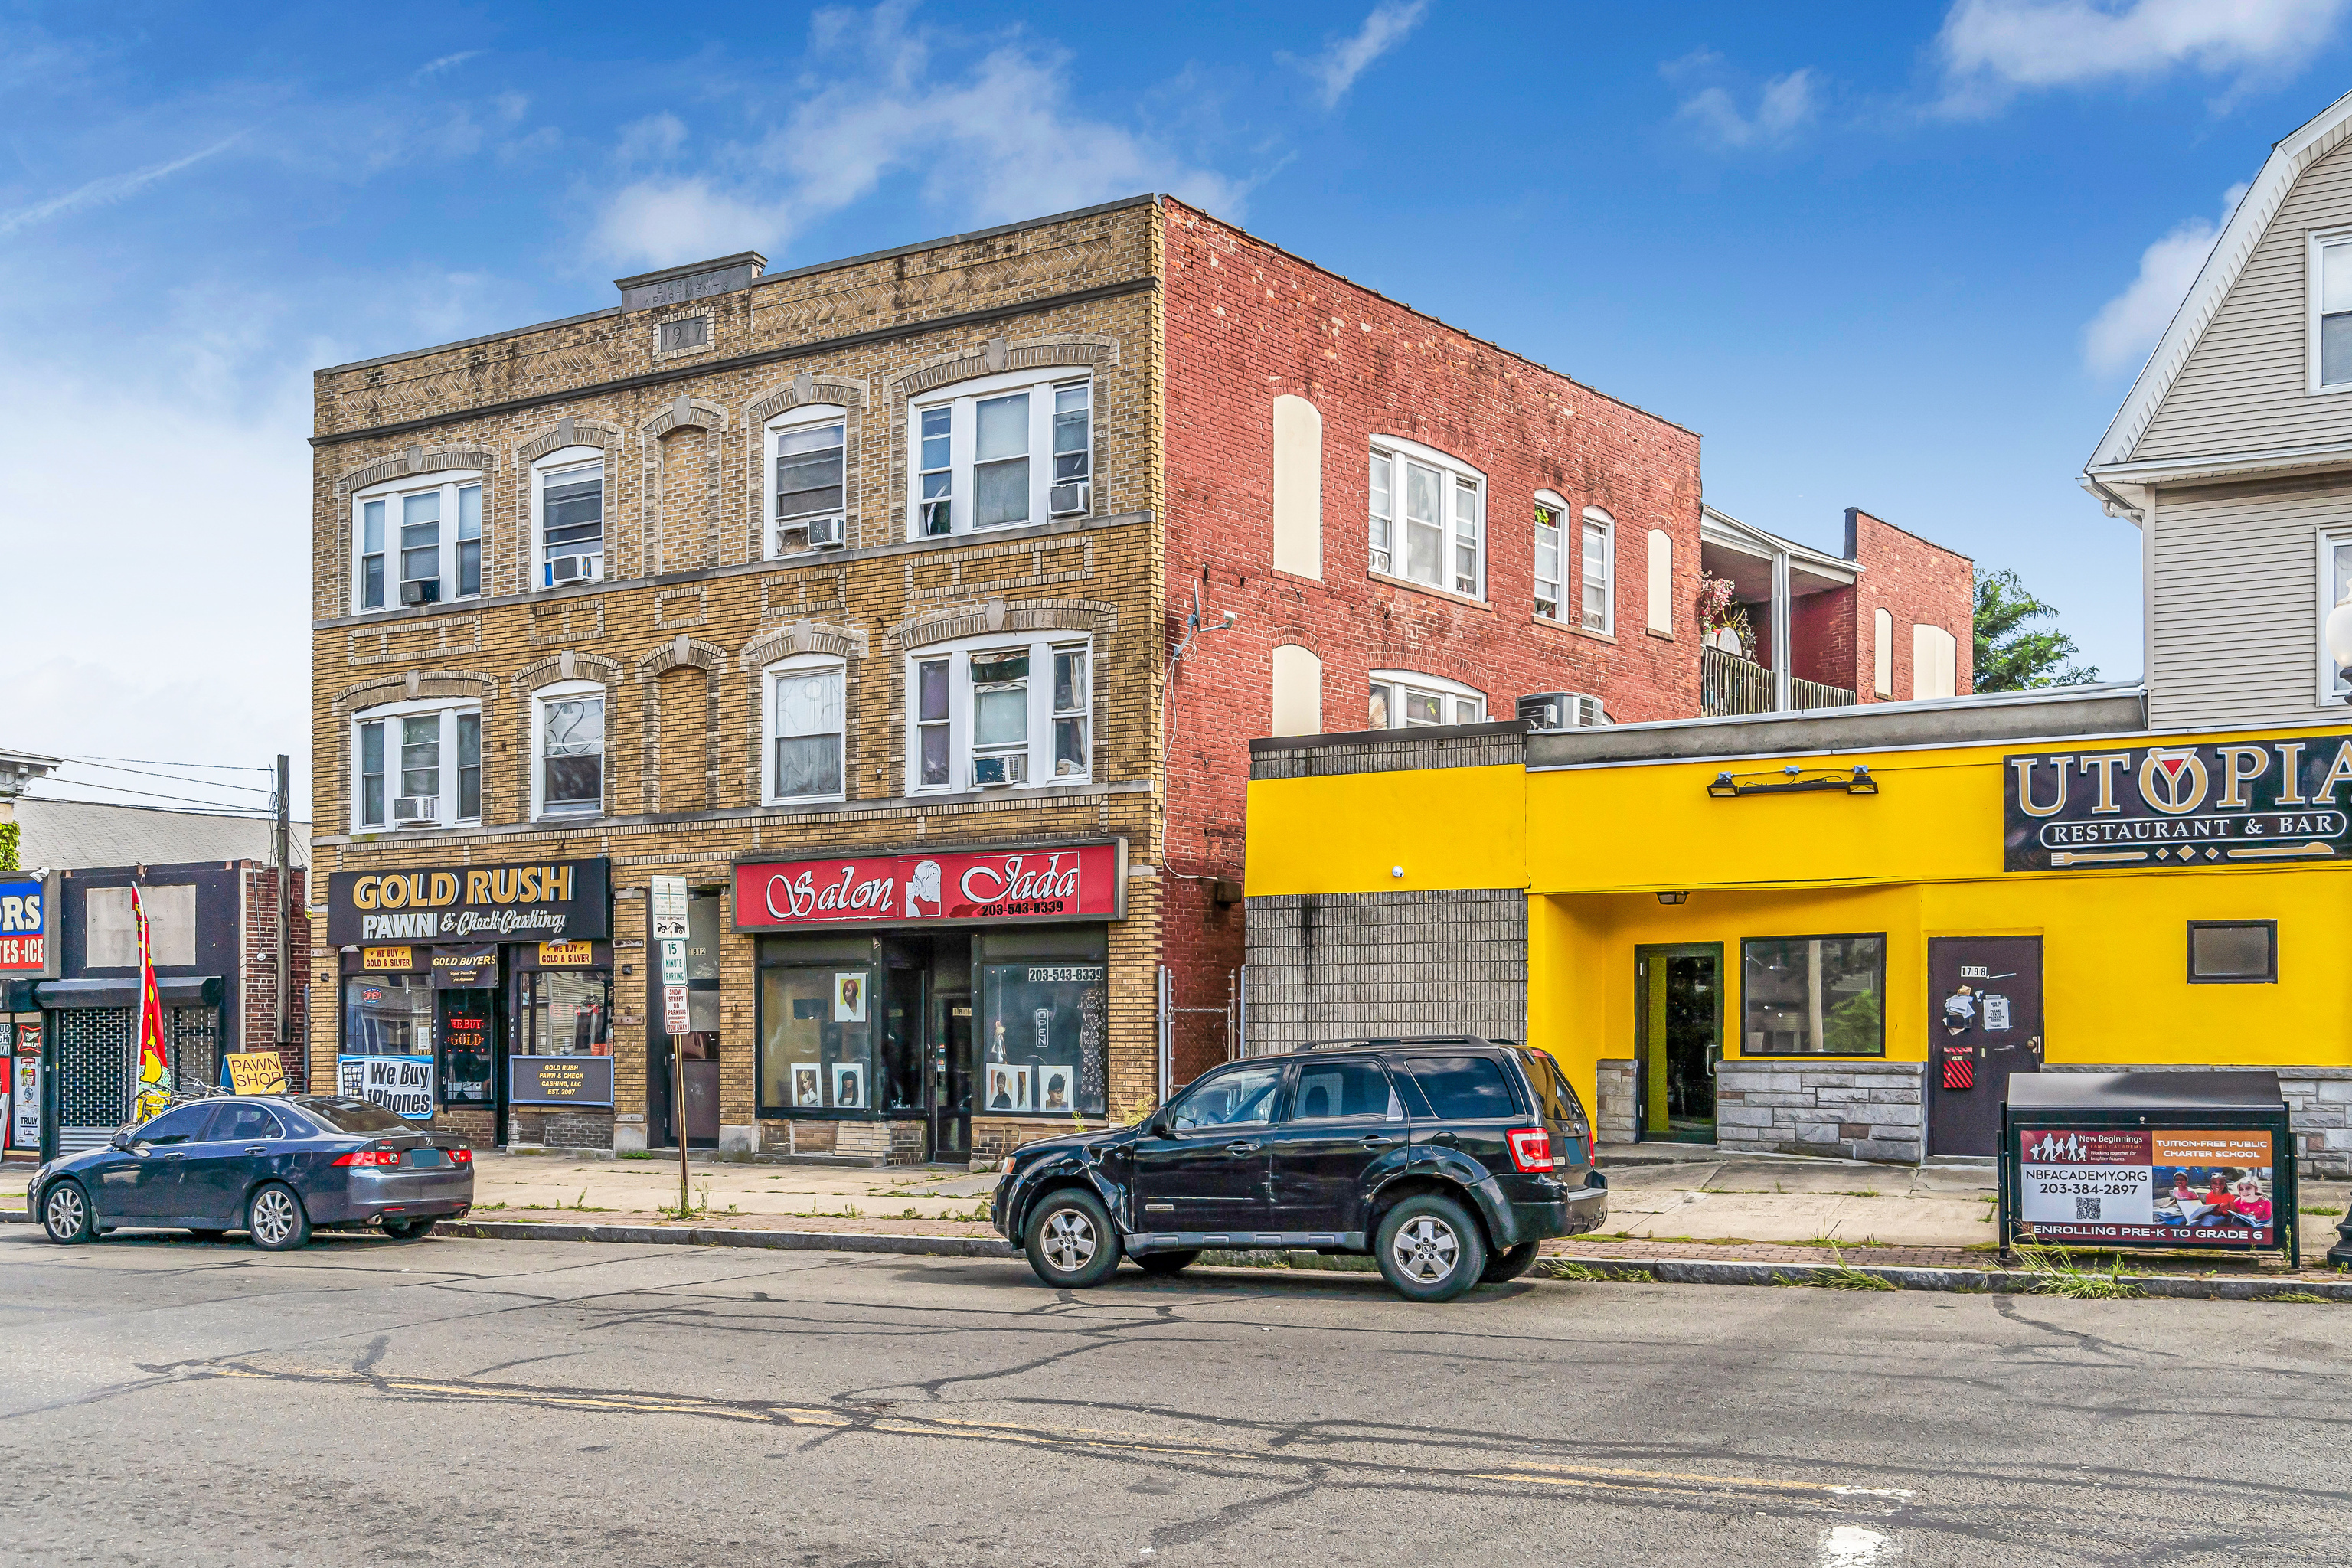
x,y
1563,1269
2318,1209
2300,1295
2056,1273
1839,1274
910,1214
635,1154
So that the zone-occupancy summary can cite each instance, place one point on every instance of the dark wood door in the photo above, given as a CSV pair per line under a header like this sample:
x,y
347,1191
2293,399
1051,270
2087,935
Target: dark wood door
x,y
1984,1023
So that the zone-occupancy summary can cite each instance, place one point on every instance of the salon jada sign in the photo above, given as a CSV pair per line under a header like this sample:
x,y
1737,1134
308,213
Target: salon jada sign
x,y
1070,882
2267,802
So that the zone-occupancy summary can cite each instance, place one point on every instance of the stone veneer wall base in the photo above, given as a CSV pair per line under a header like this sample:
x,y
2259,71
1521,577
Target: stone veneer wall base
x,y
1843,1109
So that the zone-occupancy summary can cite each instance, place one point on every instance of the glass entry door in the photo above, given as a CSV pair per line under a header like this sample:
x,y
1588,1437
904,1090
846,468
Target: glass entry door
x,y
1678,1040
950,1076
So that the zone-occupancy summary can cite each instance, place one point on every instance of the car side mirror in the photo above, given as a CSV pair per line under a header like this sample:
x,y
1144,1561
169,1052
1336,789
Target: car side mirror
x,y
1157,1126
121,1138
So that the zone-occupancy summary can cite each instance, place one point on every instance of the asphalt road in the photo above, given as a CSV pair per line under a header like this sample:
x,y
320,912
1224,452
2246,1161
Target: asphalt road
x,y
481,1401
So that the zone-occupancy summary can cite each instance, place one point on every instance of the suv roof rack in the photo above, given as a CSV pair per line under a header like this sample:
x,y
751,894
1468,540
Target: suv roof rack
x,y
1380,1042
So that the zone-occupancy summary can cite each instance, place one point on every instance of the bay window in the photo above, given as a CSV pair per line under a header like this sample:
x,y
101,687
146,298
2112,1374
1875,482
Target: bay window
x,y
807,463
567,775
567,504
1428,518
996,713
1403,700
417,765
420,542
805,729
999,451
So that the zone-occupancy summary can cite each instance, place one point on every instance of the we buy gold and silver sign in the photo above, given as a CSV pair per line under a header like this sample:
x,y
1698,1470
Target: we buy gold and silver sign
x,y
2233,803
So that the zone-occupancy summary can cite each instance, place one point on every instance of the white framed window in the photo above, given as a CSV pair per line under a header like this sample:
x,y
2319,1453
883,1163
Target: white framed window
x,y
1550,555
1404,698
1428,518
806,700
2334,587
2327,289
567,517
567,750
416,764
999,713
417,542
1597,605
807,455
1001,450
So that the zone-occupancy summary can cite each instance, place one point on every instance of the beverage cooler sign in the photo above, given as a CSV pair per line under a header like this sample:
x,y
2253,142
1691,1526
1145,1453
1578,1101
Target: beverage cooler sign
x,y
23,927
1075,882
2253,803
402,1085
2132,1185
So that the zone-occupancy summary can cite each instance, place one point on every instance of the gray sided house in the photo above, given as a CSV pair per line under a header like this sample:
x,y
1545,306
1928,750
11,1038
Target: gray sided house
x,y
2233,455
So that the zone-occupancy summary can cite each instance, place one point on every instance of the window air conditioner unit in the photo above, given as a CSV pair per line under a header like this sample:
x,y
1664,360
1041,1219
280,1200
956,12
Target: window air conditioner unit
x,y
1071,500
417,810
999,772
1562,711
561,569
423,591
825,532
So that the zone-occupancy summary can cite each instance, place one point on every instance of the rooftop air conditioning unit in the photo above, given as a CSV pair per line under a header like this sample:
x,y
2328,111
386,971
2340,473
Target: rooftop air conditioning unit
x,y
1071,500
1562,711
999,772
423,591
563,569
825,532
417,810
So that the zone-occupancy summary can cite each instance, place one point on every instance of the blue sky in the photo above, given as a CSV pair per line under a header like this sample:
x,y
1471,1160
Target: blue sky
x,y
1901,256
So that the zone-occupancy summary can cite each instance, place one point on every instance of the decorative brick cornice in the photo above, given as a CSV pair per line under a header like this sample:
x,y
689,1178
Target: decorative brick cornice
x,y
680,651
569,432
566,665
411,687
1004,616
416,461
1003,354
691,411
803,635
807,388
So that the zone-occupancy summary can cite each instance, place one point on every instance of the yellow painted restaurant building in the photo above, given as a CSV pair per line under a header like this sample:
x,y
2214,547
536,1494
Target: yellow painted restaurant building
x,y
1833,932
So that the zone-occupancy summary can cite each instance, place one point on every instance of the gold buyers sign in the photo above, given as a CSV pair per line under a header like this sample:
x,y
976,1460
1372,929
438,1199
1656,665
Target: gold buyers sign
x,y
2235,802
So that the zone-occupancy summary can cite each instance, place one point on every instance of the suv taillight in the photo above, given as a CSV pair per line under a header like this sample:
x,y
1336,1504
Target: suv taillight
x,y
371,1157
461,1156
1530,1148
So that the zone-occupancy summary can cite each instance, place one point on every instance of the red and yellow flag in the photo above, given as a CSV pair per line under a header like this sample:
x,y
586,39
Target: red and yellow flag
x,y
154,1070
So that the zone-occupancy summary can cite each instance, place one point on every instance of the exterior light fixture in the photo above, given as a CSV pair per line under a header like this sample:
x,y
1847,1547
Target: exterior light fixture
x,y
1794,780
1396,871
1724,787
1673,898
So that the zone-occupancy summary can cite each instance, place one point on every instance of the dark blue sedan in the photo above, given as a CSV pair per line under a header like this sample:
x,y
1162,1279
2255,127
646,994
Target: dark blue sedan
x,y
273,1167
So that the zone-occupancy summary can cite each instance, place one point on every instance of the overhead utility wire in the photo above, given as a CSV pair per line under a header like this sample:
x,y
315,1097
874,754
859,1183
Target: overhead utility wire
x,y
200,783
156,762
227,808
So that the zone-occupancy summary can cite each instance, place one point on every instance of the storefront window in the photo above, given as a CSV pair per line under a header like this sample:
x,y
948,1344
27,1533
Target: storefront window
x,y
1814,995
1042,1038
387,1016
816,1042
567,1012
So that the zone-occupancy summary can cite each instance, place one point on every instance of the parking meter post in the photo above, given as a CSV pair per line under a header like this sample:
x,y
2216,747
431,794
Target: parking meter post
x,y
677,1072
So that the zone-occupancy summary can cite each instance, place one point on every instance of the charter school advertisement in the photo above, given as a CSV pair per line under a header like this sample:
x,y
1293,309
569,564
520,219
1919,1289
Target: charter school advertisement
x,y
2200,1188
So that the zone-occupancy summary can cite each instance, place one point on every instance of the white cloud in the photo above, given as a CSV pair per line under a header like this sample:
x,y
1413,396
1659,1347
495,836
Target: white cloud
x,y
996,141
107,189
431,68
1992,48
2128,325
1335,70
1785,106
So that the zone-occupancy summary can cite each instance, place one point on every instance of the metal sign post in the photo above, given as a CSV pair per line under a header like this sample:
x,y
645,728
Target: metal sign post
x,y
669,932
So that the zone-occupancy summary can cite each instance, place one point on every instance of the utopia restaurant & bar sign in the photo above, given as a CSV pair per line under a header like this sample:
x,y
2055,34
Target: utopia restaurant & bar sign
x,y
2235,802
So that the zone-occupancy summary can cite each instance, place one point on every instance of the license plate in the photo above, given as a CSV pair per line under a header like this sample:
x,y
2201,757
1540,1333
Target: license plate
x,y
428,1157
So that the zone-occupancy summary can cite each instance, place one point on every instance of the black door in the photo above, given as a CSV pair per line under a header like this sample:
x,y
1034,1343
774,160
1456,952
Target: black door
x,y
948,1079
1211,1173
1343,1116
1678,1040
700,1067
1984,1023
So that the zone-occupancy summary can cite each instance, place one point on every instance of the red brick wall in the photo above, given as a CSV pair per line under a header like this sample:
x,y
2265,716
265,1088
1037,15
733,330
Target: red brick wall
x,y
256,1023
1246,323
1919,583
1821,637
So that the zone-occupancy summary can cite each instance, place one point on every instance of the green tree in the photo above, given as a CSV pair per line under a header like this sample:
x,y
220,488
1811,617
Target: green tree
x,y
2010,654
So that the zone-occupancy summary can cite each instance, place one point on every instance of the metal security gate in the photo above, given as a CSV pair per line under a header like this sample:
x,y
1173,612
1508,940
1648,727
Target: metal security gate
x,y
195,1035
93,1075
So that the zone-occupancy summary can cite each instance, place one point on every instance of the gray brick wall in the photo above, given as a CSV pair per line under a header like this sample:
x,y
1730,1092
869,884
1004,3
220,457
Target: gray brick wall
x,y
1336,966
1850,1110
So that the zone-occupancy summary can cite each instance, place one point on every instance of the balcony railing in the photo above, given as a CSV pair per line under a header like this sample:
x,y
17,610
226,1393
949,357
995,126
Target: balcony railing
x,y
1728,684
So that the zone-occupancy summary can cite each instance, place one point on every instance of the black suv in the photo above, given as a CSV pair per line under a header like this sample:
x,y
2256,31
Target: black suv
x,y
1447,1160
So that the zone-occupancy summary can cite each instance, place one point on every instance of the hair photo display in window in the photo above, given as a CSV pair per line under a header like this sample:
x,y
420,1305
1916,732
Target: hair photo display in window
x,y
1042,1038
816,1042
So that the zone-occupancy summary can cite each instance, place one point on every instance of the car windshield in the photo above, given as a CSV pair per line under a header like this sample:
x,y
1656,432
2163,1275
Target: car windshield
x,y
353,1115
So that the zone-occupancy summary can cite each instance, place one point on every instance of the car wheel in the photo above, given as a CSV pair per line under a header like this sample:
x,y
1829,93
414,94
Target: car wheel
x,y
1510,1265
1166,1262
274,1218
208,1234
406,1229
1071,1243
1429,1249
65,1214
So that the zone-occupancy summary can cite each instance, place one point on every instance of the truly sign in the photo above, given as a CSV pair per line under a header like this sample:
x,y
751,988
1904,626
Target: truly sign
x,y
1072,882
2237,803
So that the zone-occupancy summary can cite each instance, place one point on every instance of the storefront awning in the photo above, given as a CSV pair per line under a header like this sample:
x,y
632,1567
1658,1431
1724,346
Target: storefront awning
x,y
176,991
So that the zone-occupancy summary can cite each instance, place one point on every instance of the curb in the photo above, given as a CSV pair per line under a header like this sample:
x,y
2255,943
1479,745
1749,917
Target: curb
x,y
1964,1281
683,1236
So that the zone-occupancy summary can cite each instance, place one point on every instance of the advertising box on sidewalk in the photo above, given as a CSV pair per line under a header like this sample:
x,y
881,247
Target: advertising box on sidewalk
x,y
2149,1160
